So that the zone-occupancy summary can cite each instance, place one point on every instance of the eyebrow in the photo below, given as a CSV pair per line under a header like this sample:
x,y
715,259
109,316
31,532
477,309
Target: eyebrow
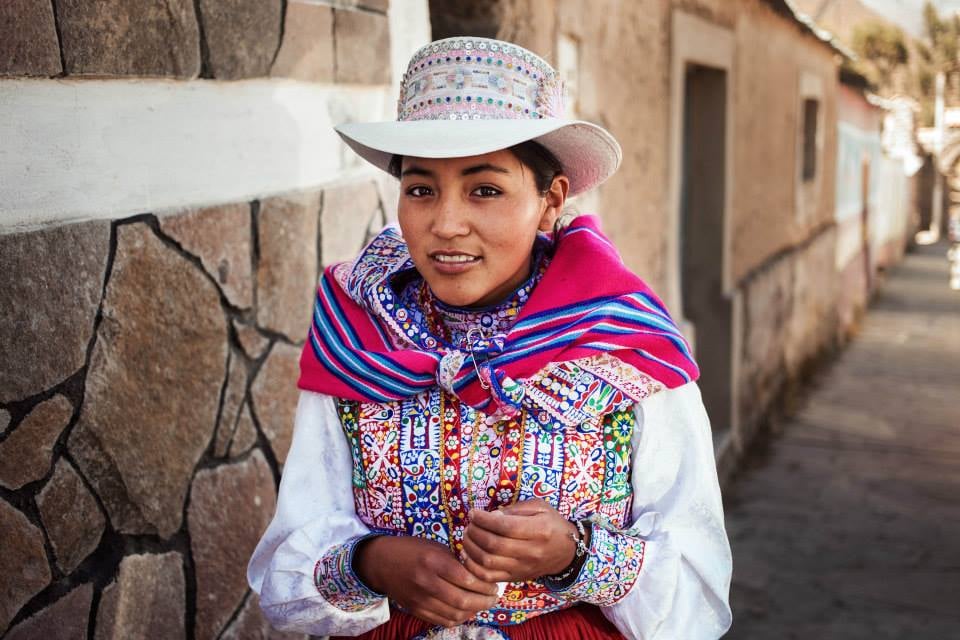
x,y
414,170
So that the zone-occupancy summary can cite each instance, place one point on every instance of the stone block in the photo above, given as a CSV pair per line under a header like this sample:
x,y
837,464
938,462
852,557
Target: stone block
x,y
222,238
351,215
26,453
50,287
153,384
28,39
253,343
147,600
242,36
362,47
250,624
120,38
236,389
65,619
4,420
275,396
23,562
307,49
287,271
71,517
374,5
230,508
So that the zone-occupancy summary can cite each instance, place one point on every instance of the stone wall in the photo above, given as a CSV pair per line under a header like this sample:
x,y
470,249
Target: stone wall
x,y
147,386
148,398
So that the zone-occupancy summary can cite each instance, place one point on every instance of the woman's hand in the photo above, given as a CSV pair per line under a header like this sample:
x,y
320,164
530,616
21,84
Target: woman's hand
x,y
522,541
424,578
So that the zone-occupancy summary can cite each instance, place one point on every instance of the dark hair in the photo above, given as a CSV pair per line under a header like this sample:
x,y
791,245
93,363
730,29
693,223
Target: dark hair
x,y
533,155
540,161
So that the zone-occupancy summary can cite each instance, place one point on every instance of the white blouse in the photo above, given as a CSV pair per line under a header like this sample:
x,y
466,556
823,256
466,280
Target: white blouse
x,y
683,588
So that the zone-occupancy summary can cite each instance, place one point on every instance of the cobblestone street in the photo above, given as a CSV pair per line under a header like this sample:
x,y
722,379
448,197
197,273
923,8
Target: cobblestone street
x,y
847,524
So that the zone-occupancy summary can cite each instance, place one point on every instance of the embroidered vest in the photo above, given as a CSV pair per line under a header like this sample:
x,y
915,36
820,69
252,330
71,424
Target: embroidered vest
x,y
421,464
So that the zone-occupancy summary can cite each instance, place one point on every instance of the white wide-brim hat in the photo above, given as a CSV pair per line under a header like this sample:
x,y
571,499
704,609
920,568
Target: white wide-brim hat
x,y
470,96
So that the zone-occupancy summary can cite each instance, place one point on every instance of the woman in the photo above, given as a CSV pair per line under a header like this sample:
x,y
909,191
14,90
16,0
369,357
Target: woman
x,y
499,433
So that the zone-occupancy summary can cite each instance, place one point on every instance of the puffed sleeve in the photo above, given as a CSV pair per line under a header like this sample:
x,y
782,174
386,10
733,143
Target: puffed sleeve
x,y
302,567
681,589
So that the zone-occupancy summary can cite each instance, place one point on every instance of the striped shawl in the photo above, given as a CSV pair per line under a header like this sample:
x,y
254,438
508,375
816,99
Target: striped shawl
x,y
364,344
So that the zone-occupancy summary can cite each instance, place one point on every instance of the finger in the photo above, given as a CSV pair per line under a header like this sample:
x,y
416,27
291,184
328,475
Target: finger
x,y
490,575
505,541
497,566
435,611
461,603
530,507
459,576
507,526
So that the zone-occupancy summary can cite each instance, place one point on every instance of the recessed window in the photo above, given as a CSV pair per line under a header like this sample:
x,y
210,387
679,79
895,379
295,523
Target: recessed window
x,y
811,109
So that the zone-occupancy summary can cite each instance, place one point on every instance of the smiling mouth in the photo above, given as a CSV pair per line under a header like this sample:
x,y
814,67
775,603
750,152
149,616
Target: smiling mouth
x,y
454,258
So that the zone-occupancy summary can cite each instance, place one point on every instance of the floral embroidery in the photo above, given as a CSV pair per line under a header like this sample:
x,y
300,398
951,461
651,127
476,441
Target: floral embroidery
x,y
449,466
338,584
463,632
610,570
474,78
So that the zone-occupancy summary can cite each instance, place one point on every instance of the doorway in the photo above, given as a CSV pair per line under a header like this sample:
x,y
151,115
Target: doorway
x,y
702,232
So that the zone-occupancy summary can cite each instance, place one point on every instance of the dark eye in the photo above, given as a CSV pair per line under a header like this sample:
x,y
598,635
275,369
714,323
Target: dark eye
x,y
487,192
419,191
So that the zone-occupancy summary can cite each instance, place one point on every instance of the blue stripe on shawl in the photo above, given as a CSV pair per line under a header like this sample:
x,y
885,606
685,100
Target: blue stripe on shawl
x,y
339,373
614,310
355,365
588,306
572,231
416,379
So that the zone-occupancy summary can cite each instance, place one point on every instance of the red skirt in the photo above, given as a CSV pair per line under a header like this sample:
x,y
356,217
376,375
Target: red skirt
x,y
581,622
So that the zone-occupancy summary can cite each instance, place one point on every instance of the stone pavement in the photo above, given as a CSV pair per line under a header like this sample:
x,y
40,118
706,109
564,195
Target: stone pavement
x,y
847,524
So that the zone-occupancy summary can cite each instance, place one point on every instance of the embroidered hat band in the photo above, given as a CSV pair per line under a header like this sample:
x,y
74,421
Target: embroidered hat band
x,y
470,96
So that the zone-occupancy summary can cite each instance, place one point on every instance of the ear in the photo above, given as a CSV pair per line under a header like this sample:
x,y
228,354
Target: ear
x,y
554,200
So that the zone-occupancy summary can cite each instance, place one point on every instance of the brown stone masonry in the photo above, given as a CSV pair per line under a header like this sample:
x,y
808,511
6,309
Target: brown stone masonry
x,y
187,39
148,409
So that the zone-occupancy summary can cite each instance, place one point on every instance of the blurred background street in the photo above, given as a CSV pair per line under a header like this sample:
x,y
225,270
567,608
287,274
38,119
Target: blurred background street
x,y
844,524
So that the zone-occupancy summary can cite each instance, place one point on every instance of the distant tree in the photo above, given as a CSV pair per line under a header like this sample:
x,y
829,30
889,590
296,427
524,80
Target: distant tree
x,y
943,35
940,53
884,47
897,64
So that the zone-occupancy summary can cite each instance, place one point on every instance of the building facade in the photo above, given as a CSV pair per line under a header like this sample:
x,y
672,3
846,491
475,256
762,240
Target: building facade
x,y
727,113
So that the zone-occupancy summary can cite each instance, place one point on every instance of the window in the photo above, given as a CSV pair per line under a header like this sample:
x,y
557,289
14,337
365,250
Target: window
x,y
811,108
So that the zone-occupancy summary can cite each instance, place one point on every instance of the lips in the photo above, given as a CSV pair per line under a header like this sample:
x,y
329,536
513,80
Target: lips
x,y
453,261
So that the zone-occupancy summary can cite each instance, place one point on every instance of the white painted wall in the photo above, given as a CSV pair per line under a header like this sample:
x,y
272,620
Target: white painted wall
x,y
83,149
409,30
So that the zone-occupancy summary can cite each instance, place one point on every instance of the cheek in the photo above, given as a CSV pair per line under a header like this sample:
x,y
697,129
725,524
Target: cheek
x,y
510,248
411,228
516,227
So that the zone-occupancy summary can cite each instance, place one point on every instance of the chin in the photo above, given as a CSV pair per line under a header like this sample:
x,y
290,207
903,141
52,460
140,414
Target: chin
x,y
456,298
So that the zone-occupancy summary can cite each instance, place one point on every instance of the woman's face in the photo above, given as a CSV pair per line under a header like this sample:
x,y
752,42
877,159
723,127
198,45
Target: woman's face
x,y
470,223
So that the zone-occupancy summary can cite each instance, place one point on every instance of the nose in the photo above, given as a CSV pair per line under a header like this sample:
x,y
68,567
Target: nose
x,y
450,218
